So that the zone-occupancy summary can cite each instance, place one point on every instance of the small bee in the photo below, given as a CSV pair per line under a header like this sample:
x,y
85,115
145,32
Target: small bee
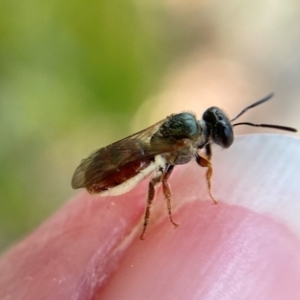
x,y
117,168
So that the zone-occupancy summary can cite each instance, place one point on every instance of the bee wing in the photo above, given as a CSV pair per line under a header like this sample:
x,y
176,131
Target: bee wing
x,y
106,160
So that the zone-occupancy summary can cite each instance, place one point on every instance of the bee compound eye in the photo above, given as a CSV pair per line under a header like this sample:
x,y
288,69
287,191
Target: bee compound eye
x,y
226,135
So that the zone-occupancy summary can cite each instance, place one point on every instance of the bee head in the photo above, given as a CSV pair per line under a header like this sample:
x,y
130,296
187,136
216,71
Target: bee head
x,y
219,127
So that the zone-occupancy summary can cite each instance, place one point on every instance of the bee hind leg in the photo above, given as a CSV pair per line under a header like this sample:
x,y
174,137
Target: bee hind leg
x,y
151,194
167,191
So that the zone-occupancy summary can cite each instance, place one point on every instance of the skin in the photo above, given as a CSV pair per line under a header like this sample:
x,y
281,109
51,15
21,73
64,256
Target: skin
x,y
246,247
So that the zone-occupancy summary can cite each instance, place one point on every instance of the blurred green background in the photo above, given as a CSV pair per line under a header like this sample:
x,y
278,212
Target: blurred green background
x,y
77,75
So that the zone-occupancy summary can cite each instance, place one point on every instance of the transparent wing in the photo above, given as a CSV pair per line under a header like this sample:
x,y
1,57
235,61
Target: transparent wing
x,y
105,161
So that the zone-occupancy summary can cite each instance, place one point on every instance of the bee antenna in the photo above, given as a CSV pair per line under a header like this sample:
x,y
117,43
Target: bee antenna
x,y
253,105
286,128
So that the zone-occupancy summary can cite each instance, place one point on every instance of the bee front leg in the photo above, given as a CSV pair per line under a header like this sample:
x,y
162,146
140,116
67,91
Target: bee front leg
x,y
167,191
205,162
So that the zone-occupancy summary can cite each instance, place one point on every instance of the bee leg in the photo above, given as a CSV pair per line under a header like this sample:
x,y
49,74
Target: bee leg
x,y
167,191
208,151
151,194
205,162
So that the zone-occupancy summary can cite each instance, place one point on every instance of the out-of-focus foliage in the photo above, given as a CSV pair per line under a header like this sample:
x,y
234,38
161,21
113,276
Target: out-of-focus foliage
x,y
72,73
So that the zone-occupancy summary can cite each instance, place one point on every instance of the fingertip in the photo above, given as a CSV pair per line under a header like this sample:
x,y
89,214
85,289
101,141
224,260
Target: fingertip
x,y
82,241
214,253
